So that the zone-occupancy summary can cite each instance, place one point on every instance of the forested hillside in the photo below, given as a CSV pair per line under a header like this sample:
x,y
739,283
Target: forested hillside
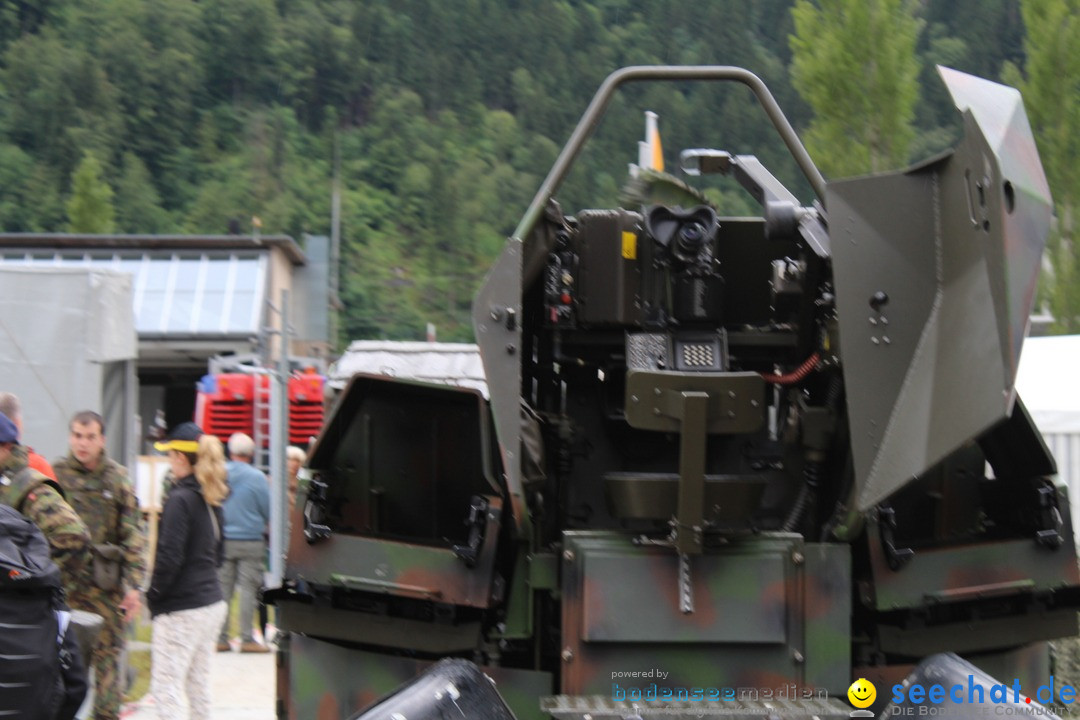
x,y
182,116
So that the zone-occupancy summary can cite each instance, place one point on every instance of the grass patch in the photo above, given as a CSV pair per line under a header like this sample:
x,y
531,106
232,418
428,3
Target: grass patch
x,y
138,658
139,662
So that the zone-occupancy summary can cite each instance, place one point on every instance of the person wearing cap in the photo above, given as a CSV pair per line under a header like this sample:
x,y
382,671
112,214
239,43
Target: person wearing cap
x,y
101,492
247,513
184,596
42,501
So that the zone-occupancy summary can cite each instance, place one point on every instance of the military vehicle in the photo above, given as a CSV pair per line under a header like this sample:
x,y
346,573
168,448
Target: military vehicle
x,y
727,459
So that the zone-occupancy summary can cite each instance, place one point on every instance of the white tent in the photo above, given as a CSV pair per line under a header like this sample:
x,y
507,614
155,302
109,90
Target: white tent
x,y
1049,383
68,343
447,363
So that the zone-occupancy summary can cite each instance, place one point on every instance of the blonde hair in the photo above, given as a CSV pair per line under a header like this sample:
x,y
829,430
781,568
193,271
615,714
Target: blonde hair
x,y
294,453
210,469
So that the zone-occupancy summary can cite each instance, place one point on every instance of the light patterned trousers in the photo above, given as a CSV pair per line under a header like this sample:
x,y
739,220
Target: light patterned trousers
x,y
180,652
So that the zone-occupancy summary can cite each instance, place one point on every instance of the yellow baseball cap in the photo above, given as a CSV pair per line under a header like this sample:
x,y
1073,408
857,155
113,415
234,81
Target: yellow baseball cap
x,y
182,438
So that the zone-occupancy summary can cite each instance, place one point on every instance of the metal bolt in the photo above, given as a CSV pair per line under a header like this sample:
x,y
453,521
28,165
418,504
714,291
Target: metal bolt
x,y
568,555
753,403
633,398
875,340
885,339
567,655
656,411
656,391
797,656
873,321
731,414
797,558
511,349
495,314
731,394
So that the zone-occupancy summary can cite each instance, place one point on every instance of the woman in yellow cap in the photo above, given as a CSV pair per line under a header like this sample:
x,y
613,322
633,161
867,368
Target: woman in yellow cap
x,y
185,597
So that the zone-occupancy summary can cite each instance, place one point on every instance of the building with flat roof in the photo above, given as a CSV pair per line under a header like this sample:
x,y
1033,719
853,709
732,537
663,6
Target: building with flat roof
x,y
199,296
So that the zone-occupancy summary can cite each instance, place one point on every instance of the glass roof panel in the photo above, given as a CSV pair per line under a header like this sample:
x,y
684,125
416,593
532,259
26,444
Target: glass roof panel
x,y
211,293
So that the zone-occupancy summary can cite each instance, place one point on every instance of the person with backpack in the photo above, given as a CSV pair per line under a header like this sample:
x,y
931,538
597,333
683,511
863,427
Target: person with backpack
x,y
42,501
41,672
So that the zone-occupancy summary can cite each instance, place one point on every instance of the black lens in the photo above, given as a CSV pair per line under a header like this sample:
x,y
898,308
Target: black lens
x,y
691,238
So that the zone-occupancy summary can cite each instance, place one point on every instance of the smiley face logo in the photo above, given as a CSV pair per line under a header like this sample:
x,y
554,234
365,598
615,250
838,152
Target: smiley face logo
x,y
862,693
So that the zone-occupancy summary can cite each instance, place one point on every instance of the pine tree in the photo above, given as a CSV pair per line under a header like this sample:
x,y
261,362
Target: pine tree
x,y
138,205
90,208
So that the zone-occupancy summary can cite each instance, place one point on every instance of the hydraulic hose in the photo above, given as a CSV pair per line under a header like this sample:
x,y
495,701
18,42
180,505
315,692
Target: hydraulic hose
x,y
795,376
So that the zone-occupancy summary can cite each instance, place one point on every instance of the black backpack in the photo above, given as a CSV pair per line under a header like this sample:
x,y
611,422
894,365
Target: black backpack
x,y
33,623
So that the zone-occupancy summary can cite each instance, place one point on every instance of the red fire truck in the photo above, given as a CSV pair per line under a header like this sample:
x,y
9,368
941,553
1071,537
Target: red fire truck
x,y
234,396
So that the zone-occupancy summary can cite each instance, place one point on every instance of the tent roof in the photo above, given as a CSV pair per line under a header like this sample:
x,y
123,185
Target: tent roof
x,y
448,363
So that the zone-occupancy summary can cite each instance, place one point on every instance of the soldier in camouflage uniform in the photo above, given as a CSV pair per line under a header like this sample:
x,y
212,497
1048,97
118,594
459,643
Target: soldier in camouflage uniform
x,y
100,491
41,500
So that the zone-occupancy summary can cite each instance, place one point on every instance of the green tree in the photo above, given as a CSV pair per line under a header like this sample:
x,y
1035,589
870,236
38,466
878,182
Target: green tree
x,y
15,169
138,205
90,208
1050,83
854,63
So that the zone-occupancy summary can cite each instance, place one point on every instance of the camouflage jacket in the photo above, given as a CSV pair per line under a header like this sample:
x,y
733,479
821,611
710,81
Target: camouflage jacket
x,y
41,500
105,499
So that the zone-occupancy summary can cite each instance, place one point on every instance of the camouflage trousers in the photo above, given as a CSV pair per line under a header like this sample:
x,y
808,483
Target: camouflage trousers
x,y
105,659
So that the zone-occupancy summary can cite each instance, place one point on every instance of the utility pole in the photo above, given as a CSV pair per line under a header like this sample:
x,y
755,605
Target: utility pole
x,y
335,246
279,436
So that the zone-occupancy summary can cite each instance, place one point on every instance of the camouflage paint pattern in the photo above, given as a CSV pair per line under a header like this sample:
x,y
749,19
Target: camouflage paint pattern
x,y
399,568
967,572
755,608
318,680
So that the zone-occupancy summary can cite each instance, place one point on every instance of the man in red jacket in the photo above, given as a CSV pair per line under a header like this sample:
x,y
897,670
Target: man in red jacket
x,y
10,406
